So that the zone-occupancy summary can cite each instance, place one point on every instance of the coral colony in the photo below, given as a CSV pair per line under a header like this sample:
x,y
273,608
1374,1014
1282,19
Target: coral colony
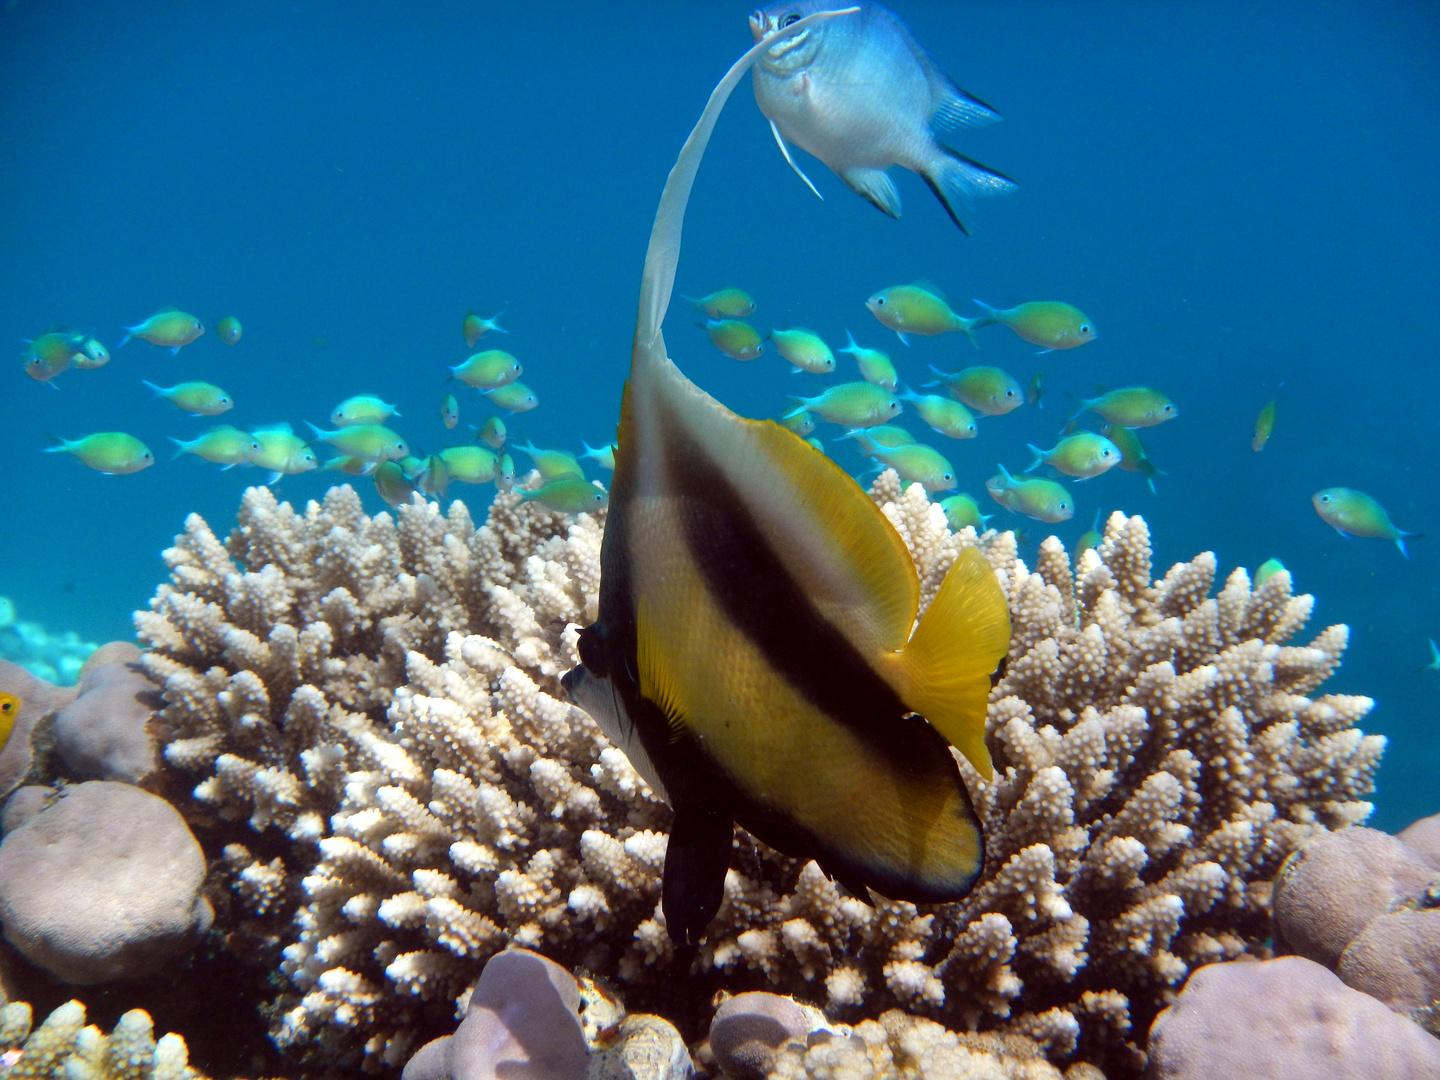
x,y
361,720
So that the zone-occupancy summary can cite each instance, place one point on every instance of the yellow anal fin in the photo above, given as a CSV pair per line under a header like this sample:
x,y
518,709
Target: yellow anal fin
x,y
943,672
657,681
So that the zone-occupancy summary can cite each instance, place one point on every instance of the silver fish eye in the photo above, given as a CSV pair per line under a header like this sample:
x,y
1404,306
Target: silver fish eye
x,y
789,20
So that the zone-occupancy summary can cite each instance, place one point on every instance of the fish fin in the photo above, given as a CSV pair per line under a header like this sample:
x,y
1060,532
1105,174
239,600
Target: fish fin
x,y
1039,456
127,336
990,317
956,181
180,443
274,476
175,350
950,106
60,444
697,858
1042,352
159,390
320,433
876,186
657,681
903,339
780,142
946,665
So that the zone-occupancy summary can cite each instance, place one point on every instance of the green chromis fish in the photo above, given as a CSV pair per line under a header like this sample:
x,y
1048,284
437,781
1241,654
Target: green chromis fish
x,y
1035,392
515,396
553,464
474,327
1266,570
370,442
1050,324
987,390
962,511
195,398
224,445
757,655
433,476
505,473
282,452
229,330
915,463
945,415
1089,540
735,338
815,444
725,304
805,350
1353,513
107,452
362,409
1081,455
492,433
886,435
875,366
1264,427
801,423
853,404
170,329
1133,457
392,485
350,466
1131,406
1043,500
50,354
1433,665
93,354
449,411
488,370
471,464
914,309
568,495
603,456
861,94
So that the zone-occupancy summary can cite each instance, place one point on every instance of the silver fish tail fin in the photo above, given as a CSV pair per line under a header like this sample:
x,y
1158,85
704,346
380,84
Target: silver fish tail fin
x,y
876,186
956,180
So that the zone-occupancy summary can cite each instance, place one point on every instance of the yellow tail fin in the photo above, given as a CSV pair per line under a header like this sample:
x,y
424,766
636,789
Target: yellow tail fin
x,y
943,672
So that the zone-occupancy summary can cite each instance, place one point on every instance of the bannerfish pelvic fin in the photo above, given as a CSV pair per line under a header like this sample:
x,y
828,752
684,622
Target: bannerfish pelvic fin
x,y
754,653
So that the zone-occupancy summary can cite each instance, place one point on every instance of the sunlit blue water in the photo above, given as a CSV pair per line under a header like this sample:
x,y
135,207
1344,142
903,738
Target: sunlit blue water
x,y
1240,195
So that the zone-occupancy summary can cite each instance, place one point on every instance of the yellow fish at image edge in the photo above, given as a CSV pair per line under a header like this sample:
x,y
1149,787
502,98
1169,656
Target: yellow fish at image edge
x,y
760,666
111,452
9,713
1353,513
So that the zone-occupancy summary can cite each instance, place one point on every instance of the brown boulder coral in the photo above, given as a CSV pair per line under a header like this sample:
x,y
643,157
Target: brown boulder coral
x,y
372,708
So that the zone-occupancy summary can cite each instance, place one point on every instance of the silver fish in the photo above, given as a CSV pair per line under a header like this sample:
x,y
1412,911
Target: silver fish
x,y
861,94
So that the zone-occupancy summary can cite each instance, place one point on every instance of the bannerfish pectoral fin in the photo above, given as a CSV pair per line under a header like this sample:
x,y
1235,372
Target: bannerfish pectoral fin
x,y
876,186
944,671
780,142
696,860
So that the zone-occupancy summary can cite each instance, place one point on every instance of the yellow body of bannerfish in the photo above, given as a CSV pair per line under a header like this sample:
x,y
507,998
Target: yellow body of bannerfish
x,y
9,713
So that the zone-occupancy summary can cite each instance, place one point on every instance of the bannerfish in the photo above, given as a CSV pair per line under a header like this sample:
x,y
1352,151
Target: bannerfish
x,y
474,327
729,303
1051,324
861,94
754,654
111,452
169,328
9,713
1353,513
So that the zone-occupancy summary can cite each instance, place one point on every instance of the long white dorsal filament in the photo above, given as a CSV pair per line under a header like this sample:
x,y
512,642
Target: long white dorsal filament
x,y
663,254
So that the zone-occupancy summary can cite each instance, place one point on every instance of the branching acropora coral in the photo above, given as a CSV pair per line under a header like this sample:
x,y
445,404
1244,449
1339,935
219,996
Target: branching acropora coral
x,y
371,707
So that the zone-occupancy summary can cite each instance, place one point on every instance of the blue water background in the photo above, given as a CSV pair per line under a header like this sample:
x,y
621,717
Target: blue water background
x,y
1240,194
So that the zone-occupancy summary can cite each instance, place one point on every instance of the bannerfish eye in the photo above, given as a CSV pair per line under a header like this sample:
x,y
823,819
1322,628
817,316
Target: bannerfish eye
x,y
789,20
